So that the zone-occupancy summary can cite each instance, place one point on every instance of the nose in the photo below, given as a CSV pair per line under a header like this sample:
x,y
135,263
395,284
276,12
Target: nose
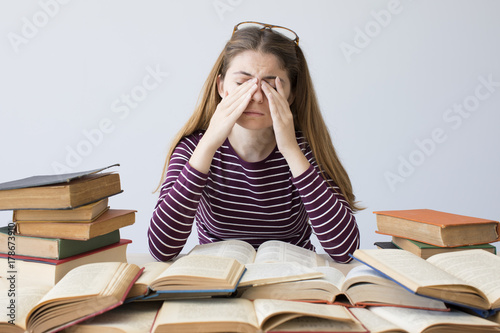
x,y
258,96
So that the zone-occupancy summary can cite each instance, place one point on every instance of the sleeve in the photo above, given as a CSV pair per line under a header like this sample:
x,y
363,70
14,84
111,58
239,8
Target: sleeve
x,y
331,217
174,213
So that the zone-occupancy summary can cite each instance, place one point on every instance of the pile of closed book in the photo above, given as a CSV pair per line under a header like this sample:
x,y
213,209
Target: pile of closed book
x,y
426,232
61,222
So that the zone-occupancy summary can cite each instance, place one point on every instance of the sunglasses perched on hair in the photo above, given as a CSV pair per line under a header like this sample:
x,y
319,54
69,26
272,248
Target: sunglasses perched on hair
x,y
288,33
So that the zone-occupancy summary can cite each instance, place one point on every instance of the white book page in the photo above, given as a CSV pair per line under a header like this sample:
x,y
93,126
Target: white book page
x,y
276,251
236,249
479,268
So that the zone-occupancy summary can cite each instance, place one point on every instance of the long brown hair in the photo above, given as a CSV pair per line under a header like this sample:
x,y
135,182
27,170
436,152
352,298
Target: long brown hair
x,y
305,108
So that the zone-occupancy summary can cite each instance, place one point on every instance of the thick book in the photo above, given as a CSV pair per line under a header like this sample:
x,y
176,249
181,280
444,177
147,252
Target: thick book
x,y
111,220
87,213
437,228
262,315
33,270
426,250
188,276
85,292
466,278
402,320
66,191
362,286
52,248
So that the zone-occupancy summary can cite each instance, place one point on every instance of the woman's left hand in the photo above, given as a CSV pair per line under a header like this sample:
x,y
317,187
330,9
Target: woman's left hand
x,y
284,129
281,114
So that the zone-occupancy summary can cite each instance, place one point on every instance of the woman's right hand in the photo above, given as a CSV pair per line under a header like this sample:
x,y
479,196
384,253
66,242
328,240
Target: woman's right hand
x,y
228,112
223,120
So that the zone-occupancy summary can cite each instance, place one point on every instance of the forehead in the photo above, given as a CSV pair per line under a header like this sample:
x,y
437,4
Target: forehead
x,y
256,63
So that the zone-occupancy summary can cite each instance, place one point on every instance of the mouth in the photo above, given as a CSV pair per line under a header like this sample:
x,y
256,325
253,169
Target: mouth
x,y
253,113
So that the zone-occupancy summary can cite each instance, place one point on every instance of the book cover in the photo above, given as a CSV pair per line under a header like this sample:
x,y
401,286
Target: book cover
x,y
41,180
55,248
112,219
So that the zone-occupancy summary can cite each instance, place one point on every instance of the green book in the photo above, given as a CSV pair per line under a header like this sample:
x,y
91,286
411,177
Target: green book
x,y
52,248
425,250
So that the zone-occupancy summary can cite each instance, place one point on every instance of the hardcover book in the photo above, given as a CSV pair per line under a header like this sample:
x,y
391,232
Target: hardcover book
x,y
437,228
54,248
111,220
34,270
65,191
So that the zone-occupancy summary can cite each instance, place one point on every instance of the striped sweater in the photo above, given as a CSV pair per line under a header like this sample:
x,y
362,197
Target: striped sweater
x,y
254,202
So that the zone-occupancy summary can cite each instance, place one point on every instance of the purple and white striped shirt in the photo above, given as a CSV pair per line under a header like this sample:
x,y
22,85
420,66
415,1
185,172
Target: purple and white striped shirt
x,y
254,202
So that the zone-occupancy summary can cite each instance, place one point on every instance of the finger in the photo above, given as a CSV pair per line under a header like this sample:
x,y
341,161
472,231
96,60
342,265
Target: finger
x,y
275,99
241,89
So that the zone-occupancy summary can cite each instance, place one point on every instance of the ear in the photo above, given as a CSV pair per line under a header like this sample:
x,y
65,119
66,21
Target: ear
x,y
220,85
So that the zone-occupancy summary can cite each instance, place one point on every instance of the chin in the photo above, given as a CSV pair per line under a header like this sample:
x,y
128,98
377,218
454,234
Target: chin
x,y
254,125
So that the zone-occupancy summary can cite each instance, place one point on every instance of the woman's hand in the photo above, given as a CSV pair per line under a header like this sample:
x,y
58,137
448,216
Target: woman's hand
x,y
223,120
228,112
284,129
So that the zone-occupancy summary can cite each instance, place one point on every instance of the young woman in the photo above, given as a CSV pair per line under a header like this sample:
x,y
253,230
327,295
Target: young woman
x,y
255,161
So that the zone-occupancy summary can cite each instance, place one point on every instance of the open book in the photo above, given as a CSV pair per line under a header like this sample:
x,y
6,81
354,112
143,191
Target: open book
x,y
468,278
274,261
241,315
188,276
362,286
84,292
394,320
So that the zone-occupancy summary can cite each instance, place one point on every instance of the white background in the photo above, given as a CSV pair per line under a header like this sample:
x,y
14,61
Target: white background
x,y
390,77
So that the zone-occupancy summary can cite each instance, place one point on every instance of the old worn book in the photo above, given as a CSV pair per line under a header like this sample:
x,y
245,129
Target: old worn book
x,y
111,220
268,252
188,276
362,286
87,213
389,319
426,250
241,315
85,292
437,228
127,318
65,191
274,261
52,248
467,278
33,270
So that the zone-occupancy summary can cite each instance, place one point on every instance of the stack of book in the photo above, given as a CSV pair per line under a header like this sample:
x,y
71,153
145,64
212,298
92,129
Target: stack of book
x,y
61,222
427,232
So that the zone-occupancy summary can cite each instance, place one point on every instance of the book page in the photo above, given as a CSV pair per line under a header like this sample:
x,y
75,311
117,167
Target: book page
x,y
236,249
21,300
375,323
479,268
259,274
366,274
332,275
406,268
85,280
200,312
271,312
416,320
277,251
151,271
315,324
209,267
131,318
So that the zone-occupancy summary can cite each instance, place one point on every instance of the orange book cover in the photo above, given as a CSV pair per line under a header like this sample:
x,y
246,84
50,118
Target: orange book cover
x,y
434,217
